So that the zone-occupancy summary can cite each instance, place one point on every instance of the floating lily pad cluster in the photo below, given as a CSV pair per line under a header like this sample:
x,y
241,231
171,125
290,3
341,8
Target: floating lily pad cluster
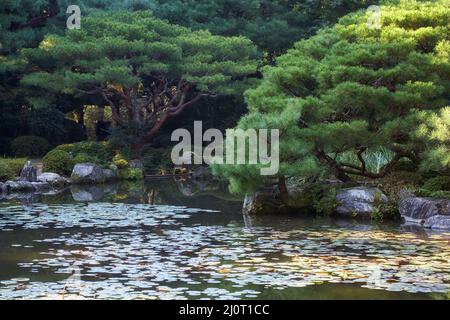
x,y
150,252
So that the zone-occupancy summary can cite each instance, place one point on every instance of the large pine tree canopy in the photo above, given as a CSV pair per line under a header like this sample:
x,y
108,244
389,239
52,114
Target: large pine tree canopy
x,y
272,25
151,69
352,89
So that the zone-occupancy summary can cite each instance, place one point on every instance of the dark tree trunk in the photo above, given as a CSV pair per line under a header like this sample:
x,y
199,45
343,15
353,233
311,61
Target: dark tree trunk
x,y
284,193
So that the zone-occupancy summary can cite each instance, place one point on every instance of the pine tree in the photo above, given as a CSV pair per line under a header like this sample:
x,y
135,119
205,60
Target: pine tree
x,y
351,90
139,64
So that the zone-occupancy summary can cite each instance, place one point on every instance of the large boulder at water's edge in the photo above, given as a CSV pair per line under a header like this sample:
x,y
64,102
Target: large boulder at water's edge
x,y
91,173
53,179
427,212
360,201
28,173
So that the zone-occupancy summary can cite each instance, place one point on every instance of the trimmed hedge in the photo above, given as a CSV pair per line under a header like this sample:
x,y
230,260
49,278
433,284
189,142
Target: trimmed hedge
x,y
5,171
58,161
29,146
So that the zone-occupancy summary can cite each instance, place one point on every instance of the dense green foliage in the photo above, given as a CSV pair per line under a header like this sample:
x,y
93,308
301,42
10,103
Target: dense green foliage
x,y
273,25
6,172
434,131
29,146
353,89
58,161
138,65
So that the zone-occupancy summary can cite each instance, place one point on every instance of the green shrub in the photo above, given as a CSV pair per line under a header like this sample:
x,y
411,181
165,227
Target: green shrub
x,y
120,161
434,194
131,174
405,165
58,161
95,152
29,146
325,203
15,164
157,159
441,183
398,181
65,147
94,149
5,171
84,158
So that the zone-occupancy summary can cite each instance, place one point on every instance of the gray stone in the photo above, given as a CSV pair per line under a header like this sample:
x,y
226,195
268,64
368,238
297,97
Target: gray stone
x,y
17,186
91,174
53,179
261,202
427,212
109,174
136,164
359,201
41,186
28,173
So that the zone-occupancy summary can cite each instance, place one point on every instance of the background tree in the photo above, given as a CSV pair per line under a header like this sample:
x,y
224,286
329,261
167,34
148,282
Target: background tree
x,y
139,64
273,25
351,90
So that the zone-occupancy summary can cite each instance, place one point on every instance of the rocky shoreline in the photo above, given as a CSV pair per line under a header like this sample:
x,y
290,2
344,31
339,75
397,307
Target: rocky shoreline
x,y
30,182
360,202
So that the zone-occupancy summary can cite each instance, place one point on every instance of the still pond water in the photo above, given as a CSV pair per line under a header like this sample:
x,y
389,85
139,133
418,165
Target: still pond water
x,y
189,240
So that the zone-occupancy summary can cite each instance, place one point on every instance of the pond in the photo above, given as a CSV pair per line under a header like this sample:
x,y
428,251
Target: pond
x,y
168,239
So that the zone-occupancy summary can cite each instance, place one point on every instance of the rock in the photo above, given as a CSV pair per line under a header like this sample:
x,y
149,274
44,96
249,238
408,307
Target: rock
x,y
269,200
359,201
17,186
109,174
91,174
427,212
28,173
136,164
41,186
53,179
262,202
2,187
